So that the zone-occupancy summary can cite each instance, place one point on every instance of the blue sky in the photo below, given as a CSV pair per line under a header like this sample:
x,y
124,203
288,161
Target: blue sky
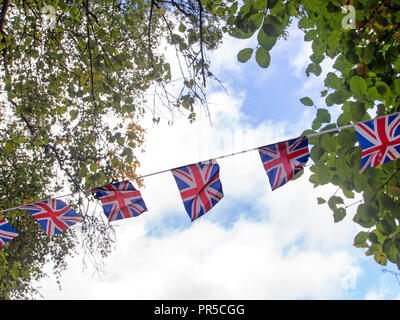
x,y
255,244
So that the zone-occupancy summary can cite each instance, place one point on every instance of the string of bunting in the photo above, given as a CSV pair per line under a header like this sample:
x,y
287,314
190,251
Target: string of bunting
x,y
200,186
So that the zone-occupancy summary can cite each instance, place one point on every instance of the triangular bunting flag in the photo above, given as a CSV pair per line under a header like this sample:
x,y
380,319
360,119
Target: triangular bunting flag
x,y
284,159
379,139
7,233
200,187
53,215
120,200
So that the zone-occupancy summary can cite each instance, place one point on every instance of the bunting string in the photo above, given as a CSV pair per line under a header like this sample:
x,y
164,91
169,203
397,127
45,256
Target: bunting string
x,y
199,183
168,170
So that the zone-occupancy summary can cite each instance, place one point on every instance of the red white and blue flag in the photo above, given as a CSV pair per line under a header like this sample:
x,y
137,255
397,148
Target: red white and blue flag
x,y
200,187
379,139
284,159
7,233
53,215
120,200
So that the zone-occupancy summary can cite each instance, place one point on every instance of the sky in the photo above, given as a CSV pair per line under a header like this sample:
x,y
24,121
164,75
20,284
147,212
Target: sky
x,y
255,243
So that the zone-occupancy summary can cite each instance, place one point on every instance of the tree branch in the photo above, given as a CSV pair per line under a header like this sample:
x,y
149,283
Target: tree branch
x,y
201,42
90,58
392,176
3,14
61,165
149,32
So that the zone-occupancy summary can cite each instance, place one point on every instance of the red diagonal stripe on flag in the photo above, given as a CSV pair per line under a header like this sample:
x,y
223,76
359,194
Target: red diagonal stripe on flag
x,y
120,197
53,215
385,142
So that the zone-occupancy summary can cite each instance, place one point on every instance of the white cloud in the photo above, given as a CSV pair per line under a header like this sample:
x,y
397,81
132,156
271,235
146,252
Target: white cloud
x,y
225,58
297,51
372,295
208,261
385,289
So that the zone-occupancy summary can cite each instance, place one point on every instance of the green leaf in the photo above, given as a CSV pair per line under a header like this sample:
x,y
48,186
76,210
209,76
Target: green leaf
x,y
334,201
347,193
73,114
346,138
306,22
334,39
368,52
328,143
9,147
332,81
237,33
272,4
358,86
387,243
357,110
182,27
323,115
311,35
393,253
321,200
386,226
265,41
367,211
342,64
307,101
396,83
383,88
34,54
14,274
317,58
93,167
263,57
121,141
338,97
373,237
344,119
83,172
316,124
271,26
373,94
380,257
114,34
314,68
339,214
378,65
255,20
316,153
361,238
244,55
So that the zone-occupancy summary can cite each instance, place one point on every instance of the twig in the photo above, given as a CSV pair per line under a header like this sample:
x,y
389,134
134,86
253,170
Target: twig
x,y
90,58
201,42
3,15
396,274
149,31
392,176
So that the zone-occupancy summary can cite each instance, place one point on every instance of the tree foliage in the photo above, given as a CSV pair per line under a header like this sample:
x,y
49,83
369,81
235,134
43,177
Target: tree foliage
x,y
365,82
73,97
73,94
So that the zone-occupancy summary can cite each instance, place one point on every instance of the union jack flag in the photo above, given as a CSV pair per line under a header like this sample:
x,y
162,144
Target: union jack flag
x,y
53,215
120,200
379,139
200,187
7,233
284,159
